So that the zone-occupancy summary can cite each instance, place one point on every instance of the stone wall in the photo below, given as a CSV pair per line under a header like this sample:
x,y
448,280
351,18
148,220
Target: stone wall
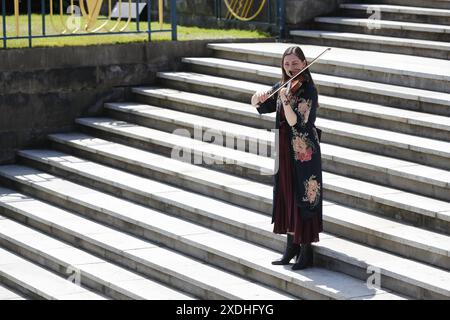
x,y
43,90
302,12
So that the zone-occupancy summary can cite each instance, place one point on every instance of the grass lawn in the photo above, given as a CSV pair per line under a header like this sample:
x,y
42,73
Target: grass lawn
x,y
184,33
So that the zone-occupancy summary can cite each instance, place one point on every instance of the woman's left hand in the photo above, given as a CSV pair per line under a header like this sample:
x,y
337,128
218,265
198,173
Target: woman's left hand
x,y
284,98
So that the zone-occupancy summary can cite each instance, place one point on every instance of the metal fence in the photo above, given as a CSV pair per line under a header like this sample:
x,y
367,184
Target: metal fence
x,y
81,18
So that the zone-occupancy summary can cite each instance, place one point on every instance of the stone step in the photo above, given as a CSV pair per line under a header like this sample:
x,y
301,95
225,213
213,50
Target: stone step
x,y
396,13
238,90
359,41
137,255
179,147
391,268
417,210
428,152
439,4
415,279
395,69
8,294
401,29
405,175
35,282
258,167
224,133
372,115
98,275
384,142
411,242
203,105
240,257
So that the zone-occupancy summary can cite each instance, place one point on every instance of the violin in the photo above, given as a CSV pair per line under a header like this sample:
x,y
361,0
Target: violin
x,y
295,82
293,87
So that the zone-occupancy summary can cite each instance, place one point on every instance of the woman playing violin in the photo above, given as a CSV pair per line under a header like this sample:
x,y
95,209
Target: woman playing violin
x,y
297,193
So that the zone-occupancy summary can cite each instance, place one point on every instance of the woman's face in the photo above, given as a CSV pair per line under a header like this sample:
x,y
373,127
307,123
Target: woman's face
x,y
292,64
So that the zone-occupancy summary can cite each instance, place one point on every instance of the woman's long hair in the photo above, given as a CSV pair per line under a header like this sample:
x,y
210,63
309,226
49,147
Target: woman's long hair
x,y
299,53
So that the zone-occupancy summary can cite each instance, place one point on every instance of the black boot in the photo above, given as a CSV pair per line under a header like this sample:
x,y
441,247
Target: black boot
x,y
305,258
291,251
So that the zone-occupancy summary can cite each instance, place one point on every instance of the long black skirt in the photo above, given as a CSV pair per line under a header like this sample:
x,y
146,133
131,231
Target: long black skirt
x,y
287,213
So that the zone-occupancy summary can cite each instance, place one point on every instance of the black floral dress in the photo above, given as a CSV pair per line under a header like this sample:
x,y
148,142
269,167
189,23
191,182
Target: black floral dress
x,y
297,193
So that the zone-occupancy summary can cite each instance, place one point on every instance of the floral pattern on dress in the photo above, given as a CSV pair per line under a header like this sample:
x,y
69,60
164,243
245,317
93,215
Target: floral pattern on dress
x,y
303,147
303,109
312,191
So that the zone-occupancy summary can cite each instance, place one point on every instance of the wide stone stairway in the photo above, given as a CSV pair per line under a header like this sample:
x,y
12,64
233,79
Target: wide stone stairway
x,y
148,202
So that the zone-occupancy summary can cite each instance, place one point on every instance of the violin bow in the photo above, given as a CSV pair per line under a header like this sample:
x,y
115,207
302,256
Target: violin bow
x,y
290,80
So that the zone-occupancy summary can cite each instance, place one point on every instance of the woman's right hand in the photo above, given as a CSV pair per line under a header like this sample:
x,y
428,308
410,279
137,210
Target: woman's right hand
x,y
259,97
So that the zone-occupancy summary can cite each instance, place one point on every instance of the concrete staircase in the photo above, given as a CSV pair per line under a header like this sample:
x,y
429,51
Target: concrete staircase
x,y
394,26
117,207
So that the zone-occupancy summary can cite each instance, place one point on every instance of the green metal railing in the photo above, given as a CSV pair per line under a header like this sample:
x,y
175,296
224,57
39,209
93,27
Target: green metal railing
x,y
83,23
